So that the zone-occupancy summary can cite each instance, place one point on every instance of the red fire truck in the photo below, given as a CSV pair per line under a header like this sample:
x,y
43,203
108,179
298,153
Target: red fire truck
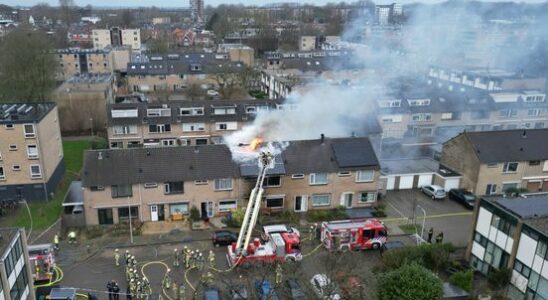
x,y
359,234
42,262
280,247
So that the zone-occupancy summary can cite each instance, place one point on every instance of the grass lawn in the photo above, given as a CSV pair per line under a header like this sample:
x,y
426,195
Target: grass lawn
x,y
45,213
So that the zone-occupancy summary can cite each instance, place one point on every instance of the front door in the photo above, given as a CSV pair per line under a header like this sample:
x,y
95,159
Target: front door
x,y
206,210
301,203
161,213
154,213
347,200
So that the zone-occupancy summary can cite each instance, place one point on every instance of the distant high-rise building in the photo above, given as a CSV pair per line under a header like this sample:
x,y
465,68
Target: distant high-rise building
x,y
385,14
197,10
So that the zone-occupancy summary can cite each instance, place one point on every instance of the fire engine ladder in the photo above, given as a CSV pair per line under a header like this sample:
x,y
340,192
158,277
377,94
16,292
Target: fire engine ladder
x,y
253,205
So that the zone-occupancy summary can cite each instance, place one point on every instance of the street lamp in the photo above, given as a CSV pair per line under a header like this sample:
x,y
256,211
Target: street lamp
x,y
423,221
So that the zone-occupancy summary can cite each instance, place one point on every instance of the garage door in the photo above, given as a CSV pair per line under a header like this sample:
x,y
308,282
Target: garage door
x,y
406,182
451,183
424,180
390,182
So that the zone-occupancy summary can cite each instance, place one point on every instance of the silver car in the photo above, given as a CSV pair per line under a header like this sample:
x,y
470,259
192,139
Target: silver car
x,y
434,191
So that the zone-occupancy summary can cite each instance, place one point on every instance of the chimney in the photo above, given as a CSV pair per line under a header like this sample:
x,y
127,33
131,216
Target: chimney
x,y
322,138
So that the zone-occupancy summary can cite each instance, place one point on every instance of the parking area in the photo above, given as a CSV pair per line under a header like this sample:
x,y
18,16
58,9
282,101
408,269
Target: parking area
x,y
447,216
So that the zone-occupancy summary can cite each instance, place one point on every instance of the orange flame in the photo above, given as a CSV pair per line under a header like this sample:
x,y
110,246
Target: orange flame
x,y
255,143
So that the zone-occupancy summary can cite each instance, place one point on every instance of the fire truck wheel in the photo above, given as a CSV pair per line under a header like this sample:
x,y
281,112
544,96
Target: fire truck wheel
x,y
344,248
375,246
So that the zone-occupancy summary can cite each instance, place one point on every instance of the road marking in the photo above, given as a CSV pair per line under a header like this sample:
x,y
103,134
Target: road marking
x,y
399,212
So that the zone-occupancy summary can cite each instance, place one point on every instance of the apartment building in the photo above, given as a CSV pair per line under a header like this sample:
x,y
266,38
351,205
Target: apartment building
x,y
160,183
116,36
491,162
180,123
15,273
77,61
31,152
484,78
510,233
176,72
82,102
428,111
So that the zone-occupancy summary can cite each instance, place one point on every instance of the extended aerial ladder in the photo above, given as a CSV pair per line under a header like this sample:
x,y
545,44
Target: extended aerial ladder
x,y
254,205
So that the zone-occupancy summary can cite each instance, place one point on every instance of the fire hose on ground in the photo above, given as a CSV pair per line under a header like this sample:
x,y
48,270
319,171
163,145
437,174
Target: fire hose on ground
x,y
160,262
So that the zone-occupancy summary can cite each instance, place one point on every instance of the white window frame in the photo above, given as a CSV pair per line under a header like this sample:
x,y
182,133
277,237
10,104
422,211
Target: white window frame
x,y
193,127
447,116
344,174
313,176
421,117
29,134
160,128
227,205
193,111
225,110
226,126
16,168
2,173
35,175
150,185
544,166
200,182
367,197
13,147
124,129
159,112
9,126
124,113
297,176
218,184
360,173
418,102
168,143
506,166
32,156
320,195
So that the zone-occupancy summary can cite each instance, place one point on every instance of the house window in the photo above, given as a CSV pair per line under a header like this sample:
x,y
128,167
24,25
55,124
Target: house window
x,y
344,174
447,116
16,168
35,171
419,102
105,216
167,143
227,205
121,190
272,181
421,117
32,151
275,202
159,112
178,209
510,167
8,126
124,213
223,184
200,182
192,111
226,125
29,130
96,188
297,176
176,187
318,178
13,147
2,173
159,128
201,141
368,197
492,165
534,163
508,113
150,185
535,112
321,200
365,176
190,127
545,166
124,129
490,189
224,110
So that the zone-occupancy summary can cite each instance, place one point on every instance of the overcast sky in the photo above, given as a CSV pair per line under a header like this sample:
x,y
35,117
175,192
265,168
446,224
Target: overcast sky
x,y
184,3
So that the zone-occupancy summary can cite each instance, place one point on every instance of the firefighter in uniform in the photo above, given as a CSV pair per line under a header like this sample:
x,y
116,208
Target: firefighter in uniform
x,y
182,292
176,257
191,260
430,234
126,257
211,259
117,257
56,241
200,261
146,286
129,272
72,237
184,255
278,274
132,287
167,280
439,238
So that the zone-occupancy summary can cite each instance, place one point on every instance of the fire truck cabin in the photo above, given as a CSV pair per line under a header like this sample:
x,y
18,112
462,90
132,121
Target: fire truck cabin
x,y
353,234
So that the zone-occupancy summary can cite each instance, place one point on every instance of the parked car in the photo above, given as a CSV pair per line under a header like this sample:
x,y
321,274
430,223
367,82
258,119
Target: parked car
x,y
294,289
223,238
324,287
238,293
463,197
434,191
211,294
265,290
